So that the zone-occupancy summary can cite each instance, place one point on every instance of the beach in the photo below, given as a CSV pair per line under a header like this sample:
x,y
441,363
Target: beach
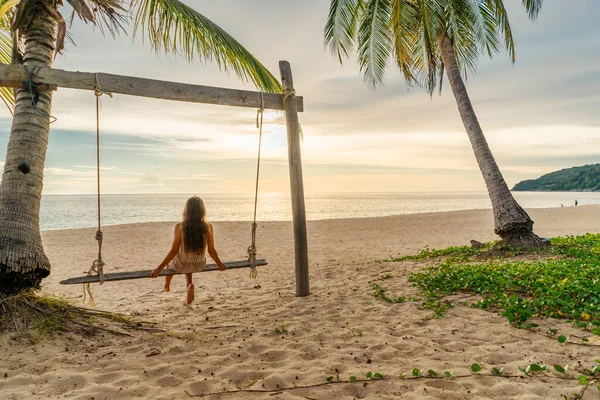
x,y
227,339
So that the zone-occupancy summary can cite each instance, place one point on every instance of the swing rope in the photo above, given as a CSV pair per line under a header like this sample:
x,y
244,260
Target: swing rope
x,y
97,266
252,247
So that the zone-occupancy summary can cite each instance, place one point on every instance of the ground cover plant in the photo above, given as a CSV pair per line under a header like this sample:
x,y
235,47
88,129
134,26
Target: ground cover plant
x,y
561,281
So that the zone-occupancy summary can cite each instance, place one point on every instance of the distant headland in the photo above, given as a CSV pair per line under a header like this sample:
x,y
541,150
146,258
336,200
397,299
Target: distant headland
x,y
577,179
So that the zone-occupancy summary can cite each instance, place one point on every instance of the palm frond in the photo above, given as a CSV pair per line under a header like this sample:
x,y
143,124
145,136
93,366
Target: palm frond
x,y
6,94
105,14
6,12
427,53
533,7
488,28
503,25
340,29
404,25
176,28
468,34
375,41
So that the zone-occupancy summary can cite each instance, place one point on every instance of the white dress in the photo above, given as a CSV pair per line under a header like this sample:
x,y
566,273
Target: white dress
x,y
186,263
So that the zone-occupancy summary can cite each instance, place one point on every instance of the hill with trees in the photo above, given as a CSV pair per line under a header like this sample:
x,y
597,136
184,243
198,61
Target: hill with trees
x,y
576,179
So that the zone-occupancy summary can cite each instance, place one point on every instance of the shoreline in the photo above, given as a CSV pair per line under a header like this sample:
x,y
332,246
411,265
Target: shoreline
x,y
531,209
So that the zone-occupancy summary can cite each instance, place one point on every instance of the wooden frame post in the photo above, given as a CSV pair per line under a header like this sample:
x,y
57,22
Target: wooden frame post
x,y
297,186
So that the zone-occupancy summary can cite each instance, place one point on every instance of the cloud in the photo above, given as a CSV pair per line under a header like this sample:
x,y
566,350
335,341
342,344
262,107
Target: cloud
x,y
151,179
67,172
538,115
95,167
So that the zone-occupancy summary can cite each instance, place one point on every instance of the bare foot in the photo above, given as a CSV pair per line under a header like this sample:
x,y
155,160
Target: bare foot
x,y
166,290
190,293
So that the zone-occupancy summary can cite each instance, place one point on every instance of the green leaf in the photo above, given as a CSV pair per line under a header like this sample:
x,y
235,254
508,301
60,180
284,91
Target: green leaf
x,y
416,372
583,379
329,378
377,375
6,94
431,372
369,375
562,339
475,368
559,368
537,368
340,30
375,41
525,371
352,378
497,371
402,375
176,28
448,374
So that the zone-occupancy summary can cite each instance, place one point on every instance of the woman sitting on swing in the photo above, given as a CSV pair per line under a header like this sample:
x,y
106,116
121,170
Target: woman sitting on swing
x,y
193,236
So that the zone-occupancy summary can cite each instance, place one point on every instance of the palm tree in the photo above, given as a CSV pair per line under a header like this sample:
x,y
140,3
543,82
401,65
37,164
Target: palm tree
x,y
426,38
41,30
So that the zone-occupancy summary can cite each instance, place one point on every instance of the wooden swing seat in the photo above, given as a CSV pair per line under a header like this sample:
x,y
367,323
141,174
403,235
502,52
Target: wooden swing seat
x,y
123,276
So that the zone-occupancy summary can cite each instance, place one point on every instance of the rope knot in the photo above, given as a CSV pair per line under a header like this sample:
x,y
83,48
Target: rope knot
x,y
260,111
287,92
98,89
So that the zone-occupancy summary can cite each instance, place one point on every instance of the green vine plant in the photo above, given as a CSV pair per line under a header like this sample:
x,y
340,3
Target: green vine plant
x,y
281,330
565,285
587,379
379,292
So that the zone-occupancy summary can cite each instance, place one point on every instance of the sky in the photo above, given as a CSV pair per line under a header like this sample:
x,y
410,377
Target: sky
x,y
539,115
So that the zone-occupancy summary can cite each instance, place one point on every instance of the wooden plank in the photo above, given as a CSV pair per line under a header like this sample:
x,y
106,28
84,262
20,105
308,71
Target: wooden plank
x,y
296,182
122,276
142,87
19,85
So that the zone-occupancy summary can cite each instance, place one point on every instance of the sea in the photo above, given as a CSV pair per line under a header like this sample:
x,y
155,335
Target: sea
x,y
80,211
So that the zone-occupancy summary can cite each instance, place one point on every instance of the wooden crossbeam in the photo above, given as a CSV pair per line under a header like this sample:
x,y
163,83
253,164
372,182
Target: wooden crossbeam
x,y
22,84
123,276
133,86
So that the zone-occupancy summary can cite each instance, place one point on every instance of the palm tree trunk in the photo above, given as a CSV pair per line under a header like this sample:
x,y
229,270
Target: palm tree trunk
x,y
511,222
23,262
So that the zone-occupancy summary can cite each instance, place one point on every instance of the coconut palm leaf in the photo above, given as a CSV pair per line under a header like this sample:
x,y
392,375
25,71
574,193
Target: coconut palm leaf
x,y
176,28
412,29
6,48
6,94
404,24
375,41
427,62
533,7
497,6
340,29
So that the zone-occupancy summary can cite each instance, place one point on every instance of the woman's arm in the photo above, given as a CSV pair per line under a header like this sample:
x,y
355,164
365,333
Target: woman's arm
x,y
171,254
211,247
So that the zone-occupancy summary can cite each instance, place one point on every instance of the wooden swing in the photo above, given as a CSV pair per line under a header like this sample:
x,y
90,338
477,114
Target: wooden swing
x,y
96,272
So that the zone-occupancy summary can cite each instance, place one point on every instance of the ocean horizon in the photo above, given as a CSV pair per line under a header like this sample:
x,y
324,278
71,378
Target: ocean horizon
x,y
80,211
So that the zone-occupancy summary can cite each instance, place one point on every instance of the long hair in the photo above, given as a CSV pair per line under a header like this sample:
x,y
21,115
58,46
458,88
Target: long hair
x,y
194,227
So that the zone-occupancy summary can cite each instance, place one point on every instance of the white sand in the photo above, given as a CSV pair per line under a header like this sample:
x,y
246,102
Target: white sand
x,y
227,339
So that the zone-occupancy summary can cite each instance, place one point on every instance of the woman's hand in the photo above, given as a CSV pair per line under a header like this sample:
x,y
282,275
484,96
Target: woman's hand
x,y
155,273
222,267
